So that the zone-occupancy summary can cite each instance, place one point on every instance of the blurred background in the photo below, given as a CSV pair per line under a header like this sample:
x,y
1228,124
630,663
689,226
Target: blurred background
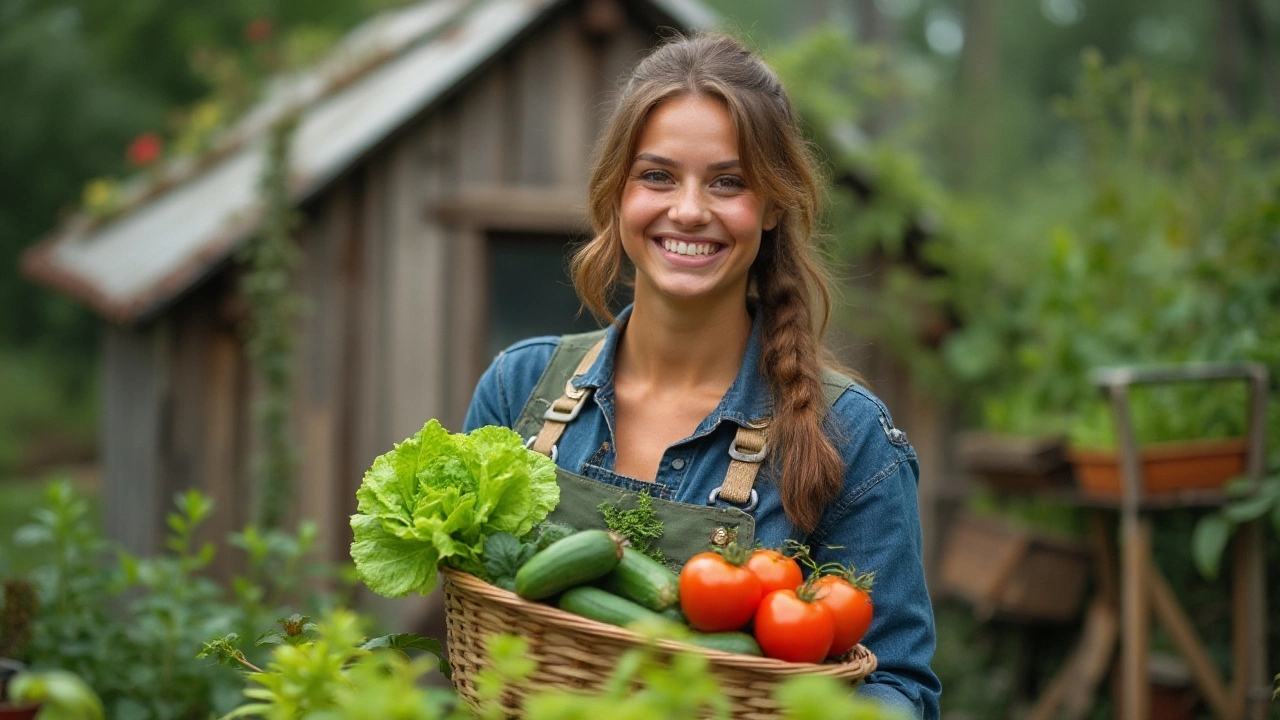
x,y
1021,193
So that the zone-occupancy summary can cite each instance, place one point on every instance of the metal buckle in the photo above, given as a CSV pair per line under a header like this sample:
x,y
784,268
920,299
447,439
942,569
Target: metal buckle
x,y
752,458
555,449
752,502
557,416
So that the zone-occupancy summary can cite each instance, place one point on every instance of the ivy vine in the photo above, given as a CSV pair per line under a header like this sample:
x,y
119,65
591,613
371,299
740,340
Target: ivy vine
x,y
267,287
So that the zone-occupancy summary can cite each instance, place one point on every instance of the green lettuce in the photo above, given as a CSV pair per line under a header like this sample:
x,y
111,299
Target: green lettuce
x,y
437,496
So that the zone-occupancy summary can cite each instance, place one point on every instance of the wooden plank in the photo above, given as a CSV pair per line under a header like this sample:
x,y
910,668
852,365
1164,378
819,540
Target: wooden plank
x,y
571,135
484,145
550,209
369,420
353,277
319,383
220,470
1073,689
1187,641
1135,554
1251,687
418,279
535,75
468,282
132,379
926,435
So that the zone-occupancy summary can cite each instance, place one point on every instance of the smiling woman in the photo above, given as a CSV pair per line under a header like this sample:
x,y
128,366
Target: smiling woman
x,y
709,393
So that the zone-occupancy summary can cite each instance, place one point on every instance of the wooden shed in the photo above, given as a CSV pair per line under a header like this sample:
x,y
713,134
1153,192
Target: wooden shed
x,y
440,163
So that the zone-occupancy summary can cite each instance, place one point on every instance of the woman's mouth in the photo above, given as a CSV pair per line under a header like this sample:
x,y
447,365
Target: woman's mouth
x,y
689,248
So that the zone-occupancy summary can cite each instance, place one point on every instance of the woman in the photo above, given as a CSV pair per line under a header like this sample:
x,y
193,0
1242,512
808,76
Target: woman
x,y
708,393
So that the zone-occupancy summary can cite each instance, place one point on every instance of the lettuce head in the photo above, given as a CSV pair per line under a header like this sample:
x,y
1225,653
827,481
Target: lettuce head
x,y
436,497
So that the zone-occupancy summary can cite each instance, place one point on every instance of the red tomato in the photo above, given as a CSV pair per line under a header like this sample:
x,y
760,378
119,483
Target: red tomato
x,y
851,608
791,628
775,570
717,595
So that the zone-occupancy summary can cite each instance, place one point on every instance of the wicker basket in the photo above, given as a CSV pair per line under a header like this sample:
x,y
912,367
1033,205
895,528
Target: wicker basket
x,y
578,653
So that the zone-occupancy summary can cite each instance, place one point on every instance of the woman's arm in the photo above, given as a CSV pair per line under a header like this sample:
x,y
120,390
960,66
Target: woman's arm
x,y
875,526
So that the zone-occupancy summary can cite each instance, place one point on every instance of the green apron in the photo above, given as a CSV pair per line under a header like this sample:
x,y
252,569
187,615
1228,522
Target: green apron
x,y
686,529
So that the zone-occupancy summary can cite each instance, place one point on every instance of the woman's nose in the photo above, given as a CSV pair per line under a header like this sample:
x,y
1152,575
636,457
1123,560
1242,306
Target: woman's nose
x,y
689,206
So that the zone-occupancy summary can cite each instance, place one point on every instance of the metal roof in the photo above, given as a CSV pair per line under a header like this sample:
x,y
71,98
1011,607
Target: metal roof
x,y
181,226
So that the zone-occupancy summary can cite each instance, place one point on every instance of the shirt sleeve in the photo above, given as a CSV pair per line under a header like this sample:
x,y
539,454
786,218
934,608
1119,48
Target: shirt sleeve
x,y
875,526
503,389
488,402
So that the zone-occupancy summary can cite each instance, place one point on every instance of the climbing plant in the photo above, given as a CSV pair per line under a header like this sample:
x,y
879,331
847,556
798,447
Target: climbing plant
x,y
267,286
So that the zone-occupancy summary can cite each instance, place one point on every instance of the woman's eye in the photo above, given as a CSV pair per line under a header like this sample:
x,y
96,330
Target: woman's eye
x,y
655,176
729,182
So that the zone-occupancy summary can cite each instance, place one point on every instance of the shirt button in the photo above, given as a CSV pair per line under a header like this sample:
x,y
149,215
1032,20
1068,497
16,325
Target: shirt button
x,y
677,464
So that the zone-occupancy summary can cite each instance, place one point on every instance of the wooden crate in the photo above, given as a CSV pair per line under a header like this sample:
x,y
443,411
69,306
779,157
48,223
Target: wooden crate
x,y
1012,572
1007,462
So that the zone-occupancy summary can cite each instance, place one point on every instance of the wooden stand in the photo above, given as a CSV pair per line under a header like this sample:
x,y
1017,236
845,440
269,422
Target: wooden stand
x,y
1127,599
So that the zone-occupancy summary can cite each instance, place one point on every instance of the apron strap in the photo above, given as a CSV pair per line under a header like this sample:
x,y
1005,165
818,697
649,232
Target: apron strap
x,y
565,409
751,446
749,449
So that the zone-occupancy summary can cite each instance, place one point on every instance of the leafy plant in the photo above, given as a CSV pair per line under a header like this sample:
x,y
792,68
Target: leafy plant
x,y
640,525
437,496
62,695
129,626
1246,503
335,676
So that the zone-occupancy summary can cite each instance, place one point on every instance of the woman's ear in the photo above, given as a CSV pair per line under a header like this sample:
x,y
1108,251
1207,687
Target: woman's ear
x,y
772,215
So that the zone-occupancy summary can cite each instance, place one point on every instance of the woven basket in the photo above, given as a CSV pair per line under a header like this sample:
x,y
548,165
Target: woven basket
x,y
577,653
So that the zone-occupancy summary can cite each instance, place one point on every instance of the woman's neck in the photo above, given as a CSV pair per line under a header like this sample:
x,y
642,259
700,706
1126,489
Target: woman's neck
x,y
683,346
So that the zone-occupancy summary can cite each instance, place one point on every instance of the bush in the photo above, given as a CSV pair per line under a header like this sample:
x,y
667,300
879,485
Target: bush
x,y
131,627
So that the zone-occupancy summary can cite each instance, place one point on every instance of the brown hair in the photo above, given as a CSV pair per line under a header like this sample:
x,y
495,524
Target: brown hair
x,y
790,285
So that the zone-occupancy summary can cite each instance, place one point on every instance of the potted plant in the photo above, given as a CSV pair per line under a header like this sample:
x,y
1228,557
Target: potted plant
x,y
9,709
1188,424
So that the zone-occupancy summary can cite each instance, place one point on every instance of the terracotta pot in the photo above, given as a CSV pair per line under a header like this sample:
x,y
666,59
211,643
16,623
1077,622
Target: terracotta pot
x,y
1166,468
19,712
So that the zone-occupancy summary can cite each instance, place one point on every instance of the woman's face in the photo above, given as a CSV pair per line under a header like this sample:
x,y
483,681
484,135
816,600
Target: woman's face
x,y
690,223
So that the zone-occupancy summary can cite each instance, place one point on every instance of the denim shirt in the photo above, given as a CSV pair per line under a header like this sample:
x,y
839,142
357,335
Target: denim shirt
x,y
874,523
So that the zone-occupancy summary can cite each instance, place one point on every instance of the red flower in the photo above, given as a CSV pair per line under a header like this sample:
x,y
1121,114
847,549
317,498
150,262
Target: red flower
x,y
145,149
258,30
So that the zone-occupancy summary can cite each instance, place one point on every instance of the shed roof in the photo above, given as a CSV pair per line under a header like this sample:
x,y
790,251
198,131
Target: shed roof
x,y
181,226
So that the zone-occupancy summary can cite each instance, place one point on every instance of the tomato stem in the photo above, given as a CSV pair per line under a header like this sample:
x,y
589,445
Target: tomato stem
x,y
808,592
735,553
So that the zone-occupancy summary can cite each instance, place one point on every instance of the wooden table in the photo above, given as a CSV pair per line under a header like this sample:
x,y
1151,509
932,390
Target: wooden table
x,y
1131,589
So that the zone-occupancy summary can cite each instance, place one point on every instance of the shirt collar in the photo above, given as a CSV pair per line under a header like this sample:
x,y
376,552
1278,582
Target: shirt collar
x,y
747,401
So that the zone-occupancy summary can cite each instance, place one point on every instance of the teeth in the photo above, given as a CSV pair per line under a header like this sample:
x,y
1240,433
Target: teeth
x,y
681,247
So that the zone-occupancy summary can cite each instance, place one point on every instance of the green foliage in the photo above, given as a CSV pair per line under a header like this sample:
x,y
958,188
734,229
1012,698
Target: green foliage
x,y
1246,502
273,302
328,670
437,496
334,677
62,695
639,524
49,411
129,626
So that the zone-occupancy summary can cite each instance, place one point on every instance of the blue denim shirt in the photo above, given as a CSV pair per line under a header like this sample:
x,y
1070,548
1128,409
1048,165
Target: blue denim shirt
x,y
873,524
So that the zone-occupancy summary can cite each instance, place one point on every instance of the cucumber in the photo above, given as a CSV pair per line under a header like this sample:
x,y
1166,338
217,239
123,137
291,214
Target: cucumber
x,y
731,642
675,614
592,602
644,580
573,560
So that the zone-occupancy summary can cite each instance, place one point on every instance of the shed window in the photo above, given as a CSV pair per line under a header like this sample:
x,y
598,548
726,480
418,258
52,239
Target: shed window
x,y
530,292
